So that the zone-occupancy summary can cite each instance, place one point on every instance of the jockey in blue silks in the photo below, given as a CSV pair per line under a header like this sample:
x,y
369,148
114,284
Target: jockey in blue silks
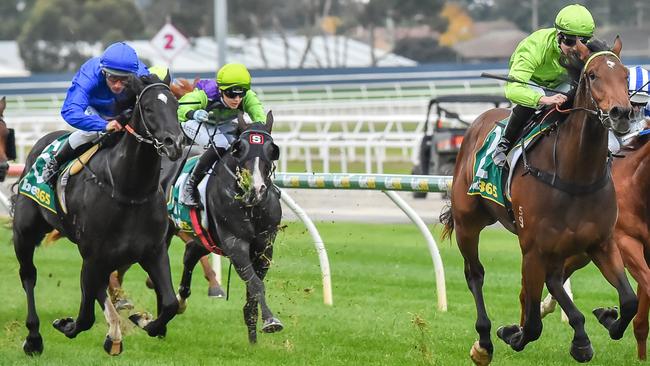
x,y
637,82
90,104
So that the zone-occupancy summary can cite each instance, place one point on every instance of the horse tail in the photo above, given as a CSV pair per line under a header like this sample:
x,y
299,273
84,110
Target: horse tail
x,y
182,86
446,218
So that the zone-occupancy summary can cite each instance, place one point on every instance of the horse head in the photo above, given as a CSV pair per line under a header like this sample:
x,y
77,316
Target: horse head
x,y
155,120
254,152
604,81
7,143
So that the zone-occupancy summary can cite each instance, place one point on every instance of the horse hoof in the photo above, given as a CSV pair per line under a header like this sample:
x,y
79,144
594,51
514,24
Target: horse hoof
x,y
252,337
65,326
156,331
479,355
182,304
582,353
33,346
607,317
112,347
511,334
216,292
272,325
547,306
140,319
123,304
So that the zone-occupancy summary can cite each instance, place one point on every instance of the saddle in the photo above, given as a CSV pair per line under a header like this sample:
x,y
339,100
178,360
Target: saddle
x,y
492,182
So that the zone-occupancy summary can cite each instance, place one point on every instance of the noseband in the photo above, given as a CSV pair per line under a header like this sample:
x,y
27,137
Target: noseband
x,y
148,138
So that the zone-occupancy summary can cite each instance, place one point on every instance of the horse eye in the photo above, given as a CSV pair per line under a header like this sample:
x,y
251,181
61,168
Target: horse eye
x,y
592,75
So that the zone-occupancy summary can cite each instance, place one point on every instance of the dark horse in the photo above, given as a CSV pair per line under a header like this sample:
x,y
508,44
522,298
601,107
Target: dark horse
x,y
572,212
116,215
7,142
631,177
244,212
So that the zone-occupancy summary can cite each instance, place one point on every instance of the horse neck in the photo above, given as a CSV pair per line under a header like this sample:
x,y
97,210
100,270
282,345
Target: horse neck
x,y
582,143
134,167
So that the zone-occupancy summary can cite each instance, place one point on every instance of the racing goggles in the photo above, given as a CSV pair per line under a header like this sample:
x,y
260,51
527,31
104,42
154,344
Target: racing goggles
x,y
234,92
571,41
115,78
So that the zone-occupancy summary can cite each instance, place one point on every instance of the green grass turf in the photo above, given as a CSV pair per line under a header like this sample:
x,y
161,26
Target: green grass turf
x,y
384,309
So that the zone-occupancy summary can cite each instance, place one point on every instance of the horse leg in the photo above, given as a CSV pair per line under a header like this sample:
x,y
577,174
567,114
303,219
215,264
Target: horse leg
x,y
261,264
571,265
214,287
115,290
482,350
193,252
92,280
581,349
157,266
533,273
632,251
113,342
29,228
640,323
608,259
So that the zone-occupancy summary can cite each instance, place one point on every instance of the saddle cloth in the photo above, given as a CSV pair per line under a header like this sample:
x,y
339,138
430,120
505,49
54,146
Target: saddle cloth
x,y
179,213
33,186
488,179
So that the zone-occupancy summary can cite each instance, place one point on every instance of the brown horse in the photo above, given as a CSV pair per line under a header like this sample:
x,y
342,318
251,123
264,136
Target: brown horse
x,y
631,177
573,205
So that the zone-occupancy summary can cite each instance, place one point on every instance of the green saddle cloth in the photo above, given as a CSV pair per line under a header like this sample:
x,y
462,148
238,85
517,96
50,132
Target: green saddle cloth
x,y
180,213
33,186
488,176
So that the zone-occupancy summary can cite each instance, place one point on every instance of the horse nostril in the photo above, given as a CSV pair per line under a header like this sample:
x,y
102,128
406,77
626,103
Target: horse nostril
x,y
619,112
168,141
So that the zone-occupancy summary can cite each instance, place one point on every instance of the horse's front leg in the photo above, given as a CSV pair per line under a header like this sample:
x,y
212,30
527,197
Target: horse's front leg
x,y
607,258
581,349
92,279
255,293
193,253
28,231
113,342
157,266
533,274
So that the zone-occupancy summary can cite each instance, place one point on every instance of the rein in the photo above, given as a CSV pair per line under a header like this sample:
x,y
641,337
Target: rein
x,y
149,138
552,179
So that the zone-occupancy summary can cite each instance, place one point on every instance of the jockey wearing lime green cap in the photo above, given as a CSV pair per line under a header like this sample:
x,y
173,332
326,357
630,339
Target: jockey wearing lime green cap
x,y
537,59
227,97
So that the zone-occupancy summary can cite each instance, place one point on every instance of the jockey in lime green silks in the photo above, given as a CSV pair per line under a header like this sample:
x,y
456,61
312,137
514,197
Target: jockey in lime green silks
x,y
537,59
227,97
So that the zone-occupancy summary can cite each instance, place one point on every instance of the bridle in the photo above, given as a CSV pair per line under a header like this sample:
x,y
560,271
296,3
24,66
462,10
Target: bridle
x,y
604,117
148,137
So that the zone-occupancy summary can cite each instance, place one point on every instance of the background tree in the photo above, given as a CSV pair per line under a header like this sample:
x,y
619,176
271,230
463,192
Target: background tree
x,y
13,14
59,34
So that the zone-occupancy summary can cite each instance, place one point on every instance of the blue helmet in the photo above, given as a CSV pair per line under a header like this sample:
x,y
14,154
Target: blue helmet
x,y
119,59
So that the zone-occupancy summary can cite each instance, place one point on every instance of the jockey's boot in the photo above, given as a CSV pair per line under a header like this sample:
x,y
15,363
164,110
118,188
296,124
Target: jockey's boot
x,y
520,115
65,153
190,196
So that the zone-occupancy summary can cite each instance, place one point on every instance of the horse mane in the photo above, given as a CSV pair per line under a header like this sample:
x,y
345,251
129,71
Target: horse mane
x,y
574,64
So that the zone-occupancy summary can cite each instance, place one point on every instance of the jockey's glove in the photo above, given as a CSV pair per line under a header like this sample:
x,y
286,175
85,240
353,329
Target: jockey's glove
x,y
124,117
200,115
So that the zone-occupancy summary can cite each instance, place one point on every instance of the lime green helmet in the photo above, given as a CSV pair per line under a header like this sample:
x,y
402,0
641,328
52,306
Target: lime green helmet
x,y
162,72
233,75
575,20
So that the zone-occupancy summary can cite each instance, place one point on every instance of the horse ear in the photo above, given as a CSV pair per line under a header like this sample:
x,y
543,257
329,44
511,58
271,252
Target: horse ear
x,y
269,121
241,124
618,45
583,51
3,104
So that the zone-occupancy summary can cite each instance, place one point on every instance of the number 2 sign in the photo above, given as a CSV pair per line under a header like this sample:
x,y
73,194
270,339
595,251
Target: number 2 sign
x,y
169,41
